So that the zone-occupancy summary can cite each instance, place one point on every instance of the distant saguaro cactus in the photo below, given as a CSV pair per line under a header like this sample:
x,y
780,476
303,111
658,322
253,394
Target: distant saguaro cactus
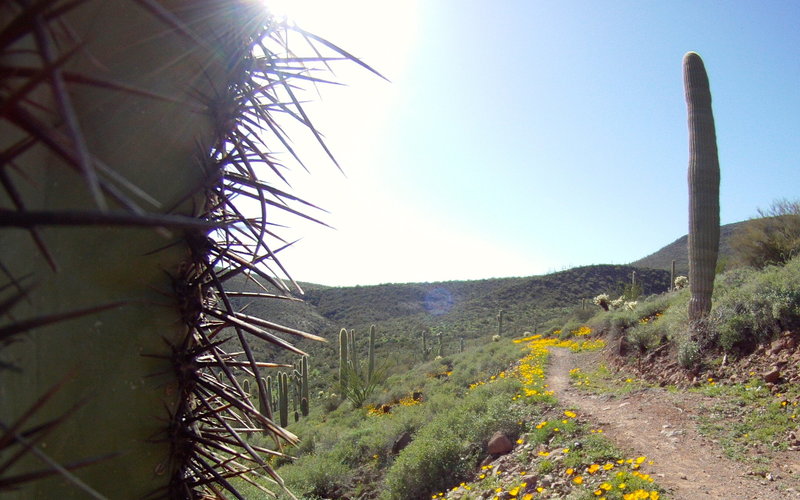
x,y
426,351
500,322
343,360
703,187
357,384
672,277
371,353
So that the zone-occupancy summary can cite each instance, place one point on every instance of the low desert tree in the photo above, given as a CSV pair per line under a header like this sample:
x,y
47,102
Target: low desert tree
x,y
771,239
129,132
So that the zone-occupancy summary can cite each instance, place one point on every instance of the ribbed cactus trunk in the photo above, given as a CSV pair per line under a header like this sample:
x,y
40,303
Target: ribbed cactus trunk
x,y
121,149
704,179
117,363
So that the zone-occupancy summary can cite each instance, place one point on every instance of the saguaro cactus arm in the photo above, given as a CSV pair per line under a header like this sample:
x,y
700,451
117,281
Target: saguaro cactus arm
x,y
704,179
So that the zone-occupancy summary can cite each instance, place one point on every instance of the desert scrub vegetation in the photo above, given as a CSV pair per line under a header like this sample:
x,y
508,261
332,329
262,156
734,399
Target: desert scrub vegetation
x,y
342,446
755,306
747,417
435,436
750,308
771,239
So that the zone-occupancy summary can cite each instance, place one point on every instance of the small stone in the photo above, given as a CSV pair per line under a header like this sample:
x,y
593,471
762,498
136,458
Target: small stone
x,y
772,375
499,444
401,442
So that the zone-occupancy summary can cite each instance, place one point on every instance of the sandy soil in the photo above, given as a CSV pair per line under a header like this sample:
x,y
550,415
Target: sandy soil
x,y
662,426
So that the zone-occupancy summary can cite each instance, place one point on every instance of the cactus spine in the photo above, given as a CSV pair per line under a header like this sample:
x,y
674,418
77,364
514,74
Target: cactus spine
x,y
704,180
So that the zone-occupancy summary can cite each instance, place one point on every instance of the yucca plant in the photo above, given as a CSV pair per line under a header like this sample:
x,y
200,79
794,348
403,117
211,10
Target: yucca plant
x,y
128,130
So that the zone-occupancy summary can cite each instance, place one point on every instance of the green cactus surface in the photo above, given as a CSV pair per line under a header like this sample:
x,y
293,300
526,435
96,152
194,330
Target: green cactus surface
x,y
704,179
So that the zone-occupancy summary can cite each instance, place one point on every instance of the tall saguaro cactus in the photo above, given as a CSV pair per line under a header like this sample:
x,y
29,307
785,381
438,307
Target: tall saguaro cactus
x,y
704,178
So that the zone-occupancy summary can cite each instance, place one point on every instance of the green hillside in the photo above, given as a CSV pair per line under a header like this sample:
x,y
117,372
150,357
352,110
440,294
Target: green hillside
x,y
458,310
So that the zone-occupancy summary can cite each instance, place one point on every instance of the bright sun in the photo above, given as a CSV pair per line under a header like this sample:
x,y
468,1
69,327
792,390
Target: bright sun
x,y
308,14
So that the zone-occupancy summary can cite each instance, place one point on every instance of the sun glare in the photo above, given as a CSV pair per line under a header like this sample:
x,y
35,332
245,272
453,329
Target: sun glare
x,y
305,13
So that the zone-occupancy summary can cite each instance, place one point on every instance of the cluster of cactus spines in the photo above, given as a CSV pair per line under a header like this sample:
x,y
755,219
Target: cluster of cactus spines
x,y
704,178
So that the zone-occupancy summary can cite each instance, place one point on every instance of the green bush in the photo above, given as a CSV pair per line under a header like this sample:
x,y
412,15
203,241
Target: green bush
x,y
447,450
688,353
754,307
646,336
316,476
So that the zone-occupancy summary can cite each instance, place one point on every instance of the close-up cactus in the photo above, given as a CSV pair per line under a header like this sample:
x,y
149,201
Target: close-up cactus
x,y
127,128
704,179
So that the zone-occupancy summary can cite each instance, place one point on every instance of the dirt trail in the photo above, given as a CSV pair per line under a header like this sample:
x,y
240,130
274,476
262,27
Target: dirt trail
x,y
662,426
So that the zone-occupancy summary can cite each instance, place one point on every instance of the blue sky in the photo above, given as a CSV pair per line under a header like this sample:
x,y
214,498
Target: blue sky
x,y
522,137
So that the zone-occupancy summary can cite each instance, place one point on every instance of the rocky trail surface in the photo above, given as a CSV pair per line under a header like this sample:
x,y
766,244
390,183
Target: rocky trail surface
x,y
663,426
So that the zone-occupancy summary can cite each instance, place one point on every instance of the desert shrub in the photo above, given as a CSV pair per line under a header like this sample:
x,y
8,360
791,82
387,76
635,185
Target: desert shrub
x,y
602,300
646,336
431,463
754,307
573,324
688,353
620,322
316,476
772,239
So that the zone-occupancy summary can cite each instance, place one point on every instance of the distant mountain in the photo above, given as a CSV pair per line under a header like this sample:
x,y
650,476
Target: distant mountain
x,y
458,309
679,252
